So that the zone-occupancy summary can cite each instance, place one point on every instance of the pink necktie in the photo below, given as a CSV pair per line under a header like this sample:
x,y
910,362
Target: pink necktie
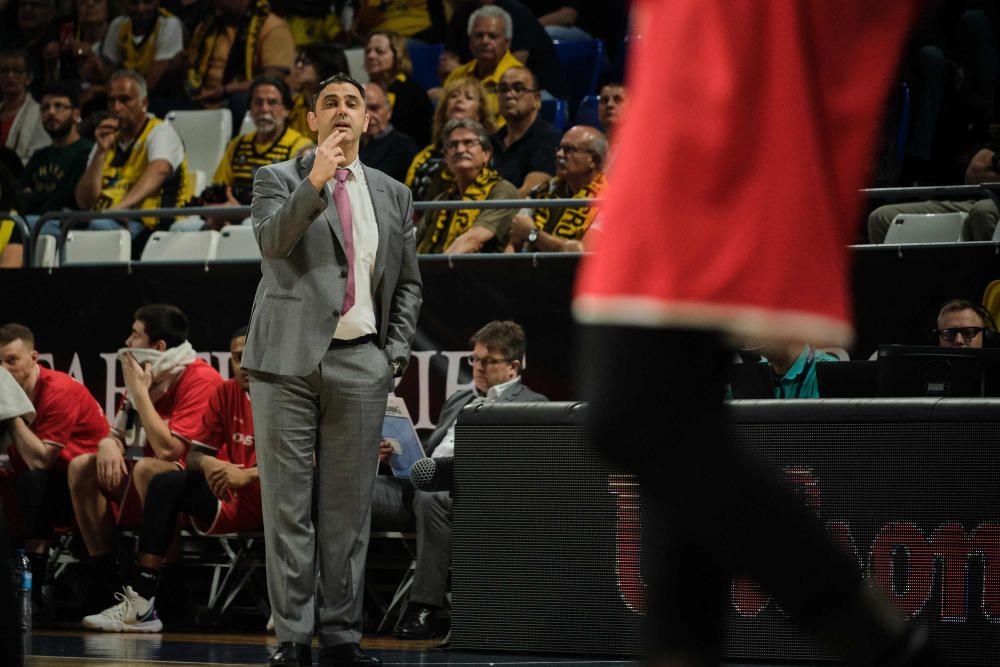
x,y
343,204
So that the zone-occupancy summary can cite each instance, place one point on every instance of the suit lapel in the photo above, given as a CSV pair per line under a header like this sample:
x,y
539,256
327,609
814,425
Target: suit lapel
x,y
330,212
379,196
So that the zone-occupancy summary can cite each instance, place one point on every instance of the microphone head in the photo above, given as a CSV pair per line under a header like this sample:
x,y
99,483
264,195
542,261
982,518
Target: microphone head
x,y
430,474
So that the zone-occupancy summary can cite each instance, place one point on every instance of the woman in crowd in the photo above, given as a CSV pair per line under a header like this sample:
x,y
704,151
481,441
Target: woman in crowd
x,y
388,64
462,98
79,50
313,63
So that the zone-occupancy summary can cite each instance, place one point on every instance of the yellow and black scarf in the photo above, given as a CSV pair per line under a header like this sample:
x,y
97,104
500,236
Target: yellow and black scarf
x,y
574,221
139,56
453,224
239,65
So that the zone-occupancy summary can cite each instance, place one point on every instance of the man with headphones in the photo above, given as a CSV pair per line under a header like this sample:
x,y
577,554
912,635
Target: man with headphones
x,y
580,158
962,323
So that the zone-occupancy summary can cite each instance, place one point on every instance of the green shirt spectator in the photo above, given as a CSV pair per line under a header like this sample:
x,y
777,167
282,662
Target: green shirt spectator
x,y
49,180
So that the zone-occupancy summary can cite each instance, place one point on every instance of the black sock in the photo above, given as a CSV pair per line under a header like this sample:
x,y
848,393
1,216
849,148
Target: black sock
x,y
146,581
39,572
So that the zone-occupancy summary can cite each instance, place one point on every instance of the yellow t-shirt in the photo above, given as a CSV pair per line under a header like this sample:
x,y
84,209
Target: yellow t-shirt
x,y
490,81
123,168
313,29
407,17
243,158
297,117
275,48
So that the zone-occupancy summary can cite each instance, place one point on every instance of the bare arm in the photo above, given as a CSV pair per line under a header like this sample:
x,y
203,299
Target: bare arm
x,y
471,241
35,453
563,16
981,169
138,379
532,179
88,188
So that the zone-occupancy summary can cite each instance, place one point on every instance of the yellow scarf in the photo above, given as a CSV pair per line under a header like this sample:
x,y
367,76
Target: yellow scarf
x,y
574,221
139,56
205,35
456,223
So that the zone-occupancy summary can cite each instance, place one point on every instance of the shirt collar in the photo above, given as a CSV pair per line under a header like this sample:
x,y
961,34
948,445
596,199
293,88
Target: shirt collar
x,y
356,170
498,390
799,366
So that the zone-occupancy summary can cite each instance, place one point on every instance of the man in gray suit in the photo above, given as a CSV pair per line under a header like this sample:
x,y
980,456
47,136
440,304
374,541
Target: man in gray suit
x,y
332,322
497,358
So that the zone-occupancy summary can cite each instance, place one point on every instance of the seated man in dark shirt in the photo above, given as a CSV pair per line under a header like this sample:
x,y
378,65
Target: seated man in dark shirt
x,y
383,146
49,180
526,144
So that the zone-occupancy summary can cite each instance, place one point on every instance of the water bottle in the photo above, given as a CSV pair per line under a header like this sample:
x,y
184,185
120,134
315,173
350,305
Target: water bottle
x,y
22,590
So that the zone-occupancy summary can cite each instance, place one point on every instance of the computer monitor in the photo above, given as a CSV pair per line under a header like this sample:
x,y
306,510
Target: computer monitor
x,y
906,370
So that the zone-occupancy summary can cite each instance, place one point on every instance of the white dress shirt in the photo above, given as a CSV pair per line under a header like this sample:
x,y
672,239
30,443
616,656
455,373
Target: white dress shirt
x,y
360,319
447,445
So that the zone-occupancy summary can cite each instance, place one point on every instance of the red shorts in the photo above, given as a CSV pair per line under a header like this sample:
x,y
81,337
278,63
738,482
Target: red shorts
x,y
240,513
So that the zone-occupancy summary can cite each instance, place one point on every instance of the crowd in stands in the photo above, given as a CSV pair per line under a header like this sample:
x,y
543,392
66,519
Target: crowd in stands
x,y
87,93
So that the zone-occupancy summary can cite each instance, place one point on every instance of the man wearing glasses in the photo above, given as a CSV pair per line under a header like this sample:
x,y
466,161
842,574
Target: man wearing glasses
x,y
526,144
467,151
580,160
961,323
497,360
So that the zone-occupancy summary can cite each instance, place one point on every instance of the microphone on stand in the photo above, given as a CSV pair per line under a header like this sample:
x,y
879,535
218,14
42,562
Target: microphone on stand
x,y
433,474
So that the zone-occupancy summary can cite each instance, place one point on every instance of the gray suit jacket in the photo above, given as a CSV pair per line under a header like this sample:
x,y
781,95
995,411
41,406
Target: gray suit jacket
x,y
453,406
304,270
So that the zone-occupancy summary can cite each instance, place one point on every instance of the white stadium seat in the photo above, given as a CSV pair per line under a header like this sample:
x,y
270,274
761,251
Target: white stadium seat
x,y
108,247
205,134
925,228
45,251
238,242
181,246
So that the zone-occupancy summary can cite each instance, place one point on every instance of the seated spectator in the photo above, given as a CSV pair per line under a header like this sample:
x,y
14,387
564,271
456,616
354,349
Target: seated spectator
x,y
467,151
167,387
388,63
137,162
313,63
48,182
79,49
219,490
579,159
20,116
68,422
490,32
272,141
463,98
422,20
243,40
610,105
497,359
962,323
526,144
146,39
383,146
793,368
36,32
311,21
529,43
983,214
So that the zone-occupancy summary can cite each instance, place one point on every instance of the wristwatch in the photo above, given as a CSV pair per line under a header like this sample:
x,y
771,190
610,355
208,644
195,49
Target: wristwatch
x,y
533,236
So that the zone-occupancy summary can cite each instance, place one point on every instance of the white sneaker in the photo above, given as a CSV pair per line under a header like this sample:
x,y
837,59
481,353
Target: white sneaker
x,y
132,614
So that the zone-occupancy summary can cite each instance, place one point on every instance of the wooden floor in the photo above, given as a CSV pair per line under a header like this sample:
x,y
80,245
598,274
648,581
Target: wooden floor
x,y
90,649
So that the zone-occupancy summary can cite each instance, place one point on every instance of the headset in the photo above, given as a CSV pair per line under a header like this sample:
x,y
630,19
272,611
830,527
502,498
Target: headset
x,y
991,337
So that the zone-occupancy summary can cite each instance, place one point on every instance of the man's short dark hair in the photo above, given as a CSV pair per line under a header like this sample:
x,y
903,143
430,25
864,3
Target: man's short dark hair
x,y
163,322
239,333
339,77
62,90
265,80
504,337
955,305
14,331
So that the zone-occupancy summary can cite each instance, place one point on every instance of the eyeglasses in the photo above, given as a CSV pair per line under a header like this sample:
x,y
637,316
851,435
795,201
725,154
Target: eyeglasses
x,y
569,149
516,88
472,360
968,333
461,143
302,61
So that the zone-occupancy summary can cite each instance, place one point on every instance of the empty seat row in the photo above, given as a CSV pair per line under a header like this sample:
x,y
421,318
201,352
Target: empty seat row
x,y
233,243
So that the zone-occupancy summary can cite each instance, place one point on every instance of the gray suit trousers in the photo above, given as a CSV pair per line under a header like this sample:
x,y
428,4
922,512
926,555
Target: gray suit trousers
x,y
396,505
336,413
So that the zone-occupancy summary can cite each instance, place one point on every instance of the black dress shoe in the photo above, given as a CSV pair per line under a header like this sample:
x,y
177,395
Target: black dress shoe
x,y
346,655
290,654
418,622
